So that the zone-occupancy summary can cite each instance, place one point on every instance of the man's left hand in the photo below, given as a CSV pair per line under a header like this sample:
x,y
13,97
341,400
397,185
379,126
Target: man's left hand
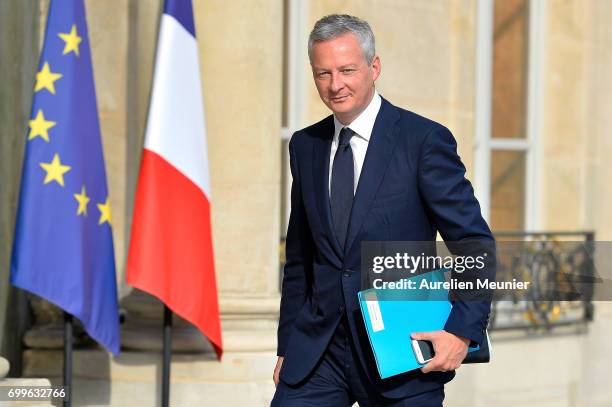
x,y
450,350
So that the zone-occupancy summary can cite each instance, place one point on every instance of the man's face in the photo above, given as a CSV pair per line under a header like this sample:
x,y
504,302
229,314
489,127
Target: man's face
x,y
344,79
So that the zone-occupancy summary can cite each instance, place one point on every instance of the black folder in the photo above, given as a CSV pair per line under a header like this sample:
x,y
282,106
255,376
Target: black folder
x,y
483,354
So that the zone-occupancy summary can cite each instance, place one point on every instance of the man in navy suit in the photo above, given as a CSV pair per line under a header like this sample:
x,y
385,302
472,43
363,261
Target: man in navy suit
x,y
370,172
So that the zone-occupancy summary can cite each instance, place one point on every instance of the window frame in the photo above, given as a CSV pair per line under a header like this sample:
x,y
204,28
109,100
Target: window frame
x,y
484,144
295,75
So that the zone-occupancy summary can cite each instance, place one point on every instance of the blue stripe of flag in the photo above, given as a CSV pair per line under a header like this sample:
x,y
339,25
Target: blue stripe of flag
x,y
182,11
61,252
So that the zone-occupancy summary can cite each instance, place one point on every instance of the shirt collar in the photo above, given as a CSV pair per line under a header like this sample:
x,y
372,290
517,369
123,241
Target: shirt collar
x,y
364,123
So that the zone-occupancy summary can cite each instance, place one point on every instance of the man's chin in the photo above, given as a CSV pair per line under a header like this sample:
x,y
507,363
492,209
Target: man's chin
x,y
340,107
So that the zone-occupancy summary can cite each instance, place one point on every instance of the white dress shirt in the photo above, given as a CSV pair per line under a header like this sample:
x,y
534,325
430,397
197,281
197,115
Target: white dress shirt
x,y
362,126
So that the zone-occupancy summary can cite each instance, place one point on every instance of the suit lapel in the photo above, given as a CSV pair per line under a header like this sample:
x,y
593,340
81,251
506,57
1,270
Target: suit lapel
x,y
377,159
321,152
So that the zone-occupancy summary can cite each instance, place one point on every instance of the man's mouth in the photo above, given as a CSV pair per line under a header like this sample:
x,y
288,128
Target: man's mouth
x,y
338,99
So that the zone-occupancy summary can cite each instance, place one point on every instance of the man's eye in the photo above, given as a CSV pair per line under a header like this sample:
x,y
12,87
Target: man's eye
x,y
348,71
322,74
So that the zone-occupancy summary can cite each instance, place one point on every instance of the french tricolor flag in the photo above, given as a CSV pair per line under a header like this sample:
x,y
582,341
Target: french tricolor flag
x,y
171,249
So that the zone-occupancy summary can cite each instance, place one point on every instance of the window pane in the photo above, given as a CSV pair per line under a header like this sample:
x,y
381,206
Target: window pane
x,y
507,190
509,68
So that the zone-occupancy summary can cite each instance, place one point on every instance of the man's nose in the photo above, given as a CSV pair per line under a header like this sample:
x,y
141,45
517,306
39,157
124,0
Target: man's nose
x,y
336,83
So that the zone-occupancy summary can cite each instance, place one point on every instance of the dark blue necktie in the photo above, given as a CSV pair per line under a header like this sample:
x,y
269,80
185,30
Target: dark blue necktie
x,y
342,184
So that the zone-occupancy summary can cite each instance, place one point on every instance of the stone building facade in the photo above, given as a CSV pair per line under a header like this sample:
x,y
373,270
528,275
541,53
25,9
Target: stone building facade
x,y
523,85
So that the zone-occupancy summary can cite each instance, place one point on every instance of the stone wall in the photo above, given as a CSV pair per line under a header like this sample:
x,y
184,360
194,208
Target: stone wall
x,y
415,40
577,146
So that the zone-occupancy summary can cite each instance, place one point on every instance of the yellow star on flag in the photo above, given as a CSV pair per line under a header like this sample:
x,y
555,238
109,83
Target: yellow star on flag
x,y
39,127
105,212
72,41
55,170
83,200
45,79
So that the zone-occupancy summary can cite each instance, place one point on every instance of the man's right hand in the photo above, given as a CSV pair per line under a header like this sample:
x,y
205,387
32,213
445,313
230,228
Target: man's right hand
x,y
279,364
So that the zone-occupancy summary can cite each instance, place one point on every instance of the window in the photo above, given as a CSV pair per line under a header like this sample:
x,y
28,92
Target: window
x,y
507,112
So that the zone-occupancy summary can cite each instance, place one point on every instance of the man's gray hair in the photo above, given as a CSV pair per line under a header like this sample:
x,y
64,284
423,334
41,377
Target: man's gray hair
x,y
336,25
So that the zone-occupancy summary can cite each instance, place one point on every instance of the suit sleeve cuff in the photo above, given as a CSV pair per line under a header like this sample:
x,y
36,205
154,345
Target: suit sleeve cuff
x,y
474,332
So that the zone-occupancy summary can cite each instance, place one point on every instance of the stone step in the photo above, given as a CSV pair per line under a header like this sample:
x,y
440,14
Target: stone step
x,y
134,378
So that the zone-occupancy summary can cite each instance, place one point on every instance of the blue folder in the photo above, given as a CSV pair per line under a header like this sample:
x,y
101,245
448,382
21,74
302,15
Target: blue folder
x,y
390,319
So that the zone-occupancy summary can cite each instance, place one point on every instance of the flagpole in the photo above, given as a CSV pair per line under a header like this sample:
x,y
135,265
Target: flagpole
x,y
167,356
68,358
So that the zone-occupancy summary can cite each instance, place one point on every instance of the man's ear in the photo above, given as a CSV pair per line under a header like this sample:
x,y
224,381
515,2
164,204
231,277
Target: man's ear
x,y
376,67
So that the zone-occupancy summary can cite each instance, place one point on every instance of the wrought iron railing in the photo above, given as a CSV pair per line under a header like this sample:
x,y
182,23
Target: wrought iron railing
x,y
553,262
540,261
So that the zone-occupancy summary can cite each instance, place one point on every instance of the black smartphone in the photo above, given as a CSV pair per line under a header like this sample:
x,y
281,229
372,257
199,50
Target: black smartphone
x,y
423,350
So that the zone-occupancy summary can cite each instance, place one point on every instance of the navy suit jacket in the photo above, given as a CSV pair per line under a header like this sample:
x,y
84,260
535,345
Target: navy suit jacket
x,y
412,185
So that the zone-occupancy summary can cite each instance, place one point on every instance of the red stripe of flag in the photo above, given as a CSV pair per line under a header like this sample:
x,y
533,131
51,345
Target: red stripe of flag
x,y
171,250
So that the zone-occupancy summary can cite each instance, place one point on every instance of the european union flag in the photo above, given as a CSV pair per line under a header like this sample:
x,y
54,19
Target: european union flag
x,y
63,249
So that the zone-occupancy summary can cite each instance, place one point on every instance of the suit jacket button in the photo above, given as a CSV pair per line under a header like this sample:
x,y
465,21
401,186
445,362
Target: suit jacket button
x,y
341,309
347,274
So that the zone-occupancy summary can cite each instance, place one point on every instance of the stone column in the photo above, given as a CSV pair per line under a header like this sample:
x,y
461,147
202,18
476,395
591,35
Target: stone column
x,y
18,59
241,56
241,68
